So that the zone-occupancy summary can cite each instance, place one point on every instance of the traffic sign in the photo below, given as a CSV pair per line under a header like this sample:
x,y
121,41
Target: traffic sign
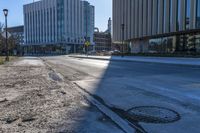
x,y
87,43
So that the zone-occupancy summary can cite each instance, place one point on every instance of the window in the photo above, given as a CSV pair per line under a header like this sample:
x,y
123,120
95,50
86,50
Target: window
x,y
198,14
164,21
150,7
51,26
197,43
39,26
188,14
166,16
60,19
48,25
36,20
54,24
155,17
42,25
179,43
171,15
160,15
178,15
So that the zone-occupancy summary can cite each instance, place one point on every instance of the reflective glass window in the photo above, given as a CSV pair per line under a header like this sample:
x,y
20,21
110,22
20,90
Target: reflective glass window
x,y
159,15
185,43
42,25
164,21
198,14
197,41
171,15
166,16
178,15
188,2
160,45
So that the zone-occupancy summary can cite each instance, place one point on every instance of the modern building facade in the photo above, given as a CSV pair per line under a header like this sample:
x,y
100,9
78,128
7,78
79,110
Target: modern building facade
x,y
15,40
102,41
58,25
158,26
18,33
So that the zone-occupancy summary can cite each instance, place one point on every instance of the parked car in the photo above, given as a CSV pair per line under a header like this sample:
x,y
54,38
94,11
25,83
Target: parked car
x,y
115,52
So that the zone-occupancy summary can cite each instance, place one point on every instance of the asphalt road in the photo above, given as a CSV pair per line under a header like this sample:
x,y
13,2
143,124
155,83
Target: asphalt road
x,y
164,98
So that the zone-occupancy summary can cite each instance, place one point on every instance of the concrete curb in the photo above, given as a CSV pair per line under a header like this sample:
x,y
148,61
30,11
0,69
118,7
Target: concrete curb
x,y
123,124
81,57
128,60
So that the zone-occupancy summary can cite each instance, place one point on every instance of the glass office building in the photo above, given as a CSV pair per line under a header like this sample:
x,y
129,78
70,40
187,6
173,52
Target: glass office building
x,y
158,26
58,26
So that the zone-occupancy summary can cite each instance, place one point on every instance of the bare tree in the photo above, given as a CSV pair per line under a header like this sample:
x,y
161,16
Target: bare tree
x,y
1,27
1,39
13,41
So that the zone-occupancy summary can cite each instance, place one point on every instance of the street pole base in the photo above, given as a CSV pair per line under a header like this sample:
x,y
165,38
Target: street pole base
x,y
7,58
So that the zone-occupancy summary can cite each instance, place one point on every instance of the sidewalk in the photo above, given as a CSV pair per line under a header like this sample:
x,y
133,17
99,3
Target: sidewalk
x,y
164,60
34,98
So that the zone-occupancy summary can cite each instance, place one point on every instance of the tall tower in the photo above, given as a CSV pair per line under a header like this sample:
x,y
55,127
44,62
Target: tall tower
x,y
109,25
109,28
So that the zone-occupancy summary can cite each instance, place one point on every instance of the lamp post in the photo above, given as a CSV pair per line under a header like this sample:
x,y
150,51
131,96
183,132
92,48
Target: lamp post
x,y
5,11
122,27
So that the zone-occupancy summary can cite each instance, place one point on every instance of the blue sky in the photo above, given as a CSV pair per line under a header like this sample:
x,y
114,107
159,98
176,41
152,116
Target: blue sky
x,y
103,9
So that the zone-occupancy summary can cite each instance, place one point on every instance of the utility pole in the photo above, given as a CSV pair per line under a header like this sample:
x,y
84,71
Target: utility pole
x,y
6,27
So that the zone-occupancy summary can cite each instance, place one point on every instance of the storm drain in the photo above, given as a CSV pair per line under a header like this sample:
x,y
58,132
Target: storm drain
x,y
152,114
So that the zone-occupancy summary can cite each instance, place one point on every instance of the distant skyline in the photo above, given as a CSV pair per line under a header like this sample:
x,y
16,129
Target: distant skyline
x,y
103,10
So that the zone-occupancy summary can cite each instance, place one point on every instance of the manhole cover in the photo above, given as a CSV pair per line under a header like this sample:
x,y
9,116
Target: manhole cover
x,y
153,114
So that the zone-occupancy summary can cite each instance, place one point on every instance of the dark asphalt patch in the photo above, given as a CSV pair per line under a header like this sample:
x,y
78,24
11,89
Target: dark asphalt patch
x,y
153,114
28,119
9,119
3,100
55,77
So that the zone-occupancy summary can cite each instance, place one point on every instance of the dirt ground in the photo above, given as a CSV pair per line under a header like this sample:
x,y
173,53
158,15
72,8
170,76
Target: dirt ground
x,y
34,99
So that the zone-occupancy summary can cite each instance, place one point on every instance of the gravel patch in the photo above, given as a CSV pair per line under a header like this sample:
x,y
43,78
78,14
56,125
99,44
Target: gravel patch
x,y
33,99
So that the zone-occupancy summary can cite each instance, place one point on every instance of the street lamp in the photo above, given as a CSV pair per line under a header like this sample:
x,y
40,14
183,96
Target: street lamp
x,y
5,11
122,27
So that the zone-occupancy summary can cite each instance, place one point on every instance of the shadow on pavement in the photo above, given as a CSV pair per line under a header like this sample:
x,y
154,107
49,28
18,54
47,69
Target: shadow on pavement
x,y
122,87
